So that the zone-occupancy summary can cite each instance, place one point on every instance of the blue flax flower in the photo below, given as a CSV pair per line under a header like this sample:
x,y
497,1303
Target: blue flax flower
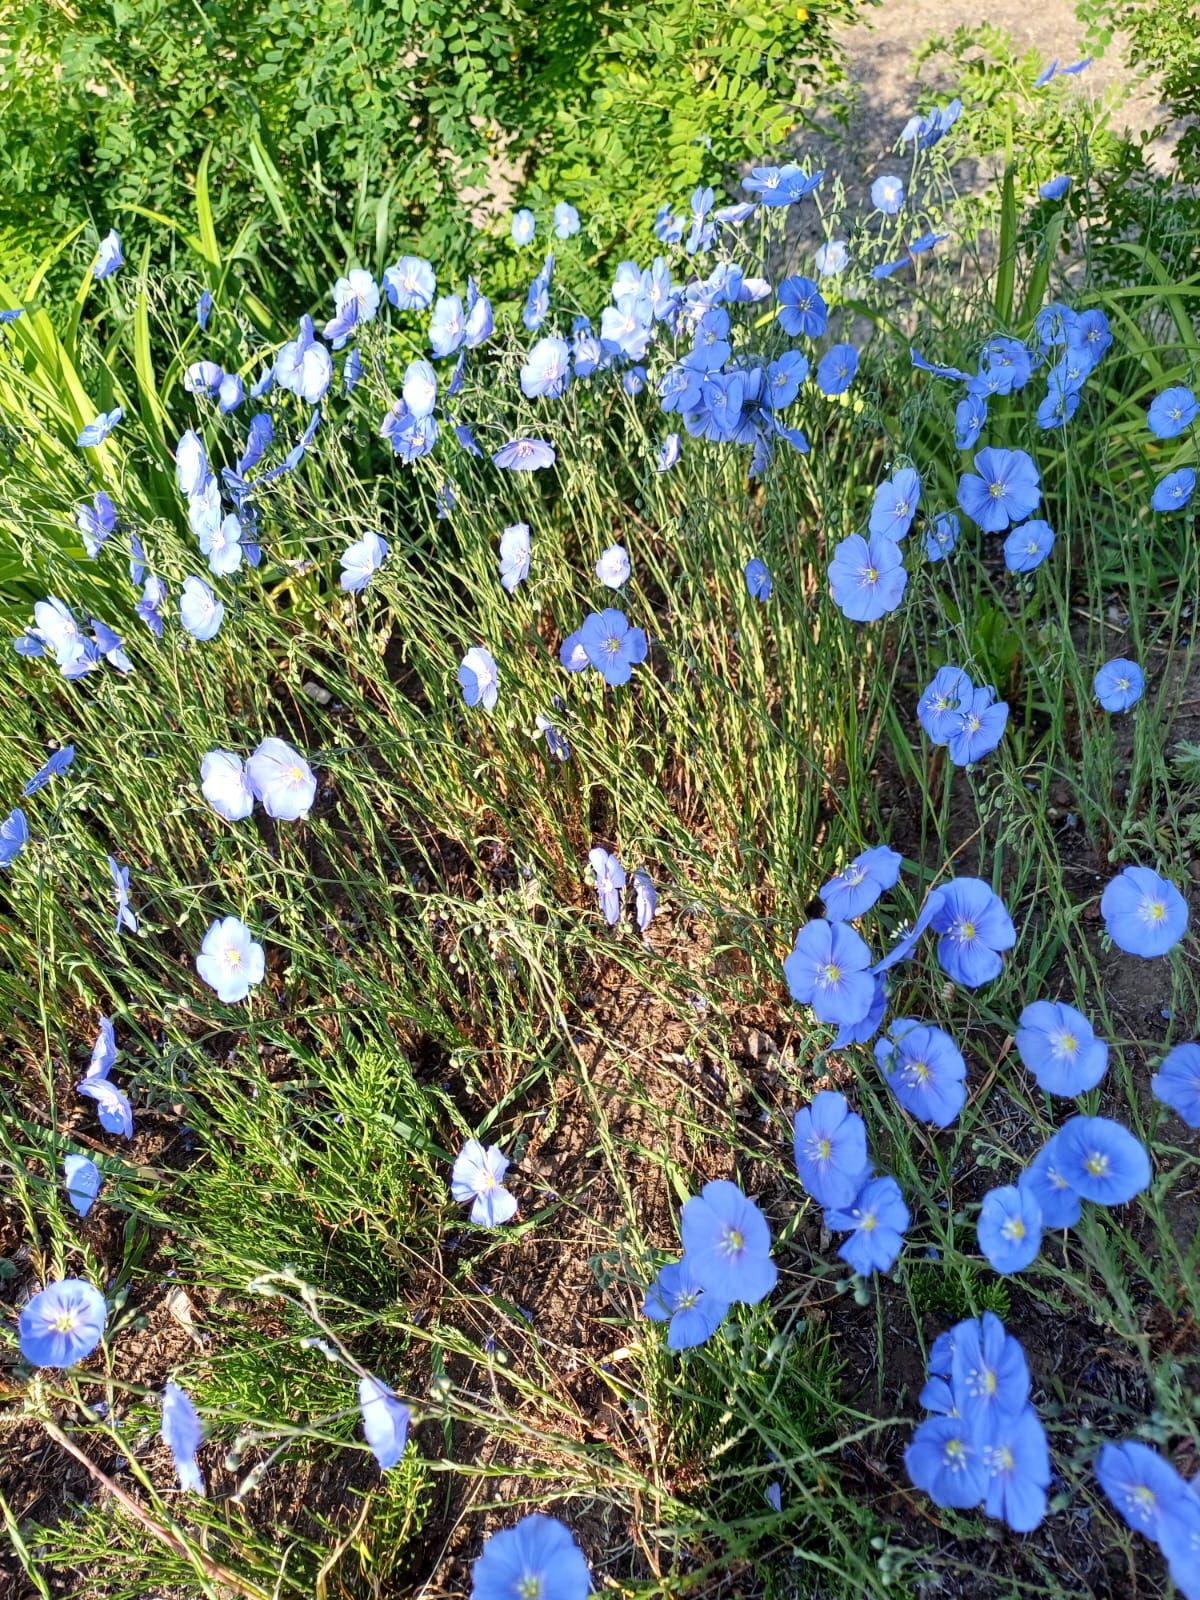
x,y
831,258
54,767
692,1314
727,1244
447,326
1004,488
95,522
556,740
1028,545
1010,1228
887,195
612,646
566,220
385,1421
1140,1484
281,780
1177,1082
829,1143
1044,1179
204,307
478,1177
181,1435
970,416
1005,365
941,535
1055,188
784,377
668,455
537,1557
1118,684
940,708
802,309
867,578
224,784
410,284
420,388
112,1104
514,556
524,455
1172,412
924,1069
612,569
1179,1541
610,880
191,464
1102,1161
989,1376
946,1460
361,560
895,504
862,1031
1018,1465
479,678
836,369
62,1323
951,374
547,369
827,970
1173,492
523,226
758,580
14,836
200,612
974,927
878,1220
1057,1045
230,960
978,727
108,255
99,428
120,882
83,1179
859,885
1144,915
645,899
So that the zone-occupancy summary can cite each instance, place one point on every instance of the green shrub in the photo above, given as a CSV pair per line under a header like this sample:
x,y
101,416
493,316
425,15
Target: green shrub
x,y
377,117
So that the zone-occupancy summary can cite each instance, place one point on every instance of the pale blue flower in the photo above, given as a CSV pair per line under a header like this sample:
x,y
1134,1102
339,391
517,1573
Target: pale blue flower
x,y
479,678
478,1177
224,784
181,1435
281,780
361,560
200,612
514,555
230,960
385,1421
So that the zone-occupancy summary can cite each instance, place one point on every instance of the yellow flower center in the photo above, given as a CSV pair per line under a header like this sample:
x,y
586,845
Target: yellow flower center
x,y
1097,1164
833,974
1013,1229
64,1322
824,1149
1155,910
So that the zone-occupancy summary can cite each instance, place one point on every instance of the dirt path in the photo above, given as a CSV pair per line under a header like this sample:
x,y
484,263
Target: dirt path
x,y
879,51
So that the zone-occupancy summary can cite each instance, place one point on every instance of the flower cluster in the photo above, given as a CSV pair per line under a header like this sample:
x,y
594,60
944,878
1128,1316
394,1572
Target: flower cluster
x,y
984,1444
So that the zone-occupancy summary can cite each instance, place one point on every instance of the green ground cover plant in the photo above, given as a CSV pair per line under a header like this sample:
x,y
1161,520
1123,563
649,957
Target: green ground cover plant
x,y
448,952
